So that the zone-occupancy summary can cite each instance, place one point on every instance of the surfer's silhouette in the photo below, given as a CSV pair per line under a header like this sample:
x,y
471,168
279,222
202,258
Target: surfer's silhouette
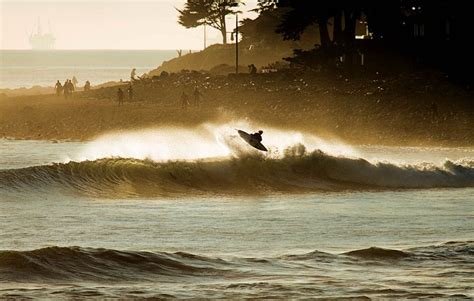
x,y
257,136
254,139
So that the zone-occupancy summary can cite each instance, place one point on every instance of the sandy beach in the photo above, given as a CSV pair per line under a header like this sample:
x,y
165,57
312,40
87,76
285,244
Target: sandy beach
x,y
364,111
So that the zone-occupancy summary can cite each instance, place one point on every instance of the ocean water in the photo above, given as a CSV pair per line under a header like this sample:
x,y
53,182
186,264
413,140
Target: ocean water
x,y
28,68
144,214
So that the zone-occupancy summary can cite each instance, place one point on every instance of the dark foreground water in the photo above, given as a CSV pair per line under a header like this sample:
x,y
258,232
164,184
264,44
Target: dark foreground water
x,y
310,225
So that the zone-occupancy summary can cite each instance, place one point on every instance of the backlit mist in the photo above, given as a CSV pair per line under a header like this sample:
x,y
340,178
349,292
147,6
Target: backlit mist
x,y
104,24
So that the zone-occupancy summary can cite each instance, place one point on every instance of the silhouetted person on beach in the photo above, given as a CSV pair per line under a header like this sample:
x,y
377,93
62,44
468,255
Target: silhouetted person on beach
x,y
197,96
120,96
58,87
184,101
70,88
133,74
257,136
65,89
87,86
130,92
74,81
252,69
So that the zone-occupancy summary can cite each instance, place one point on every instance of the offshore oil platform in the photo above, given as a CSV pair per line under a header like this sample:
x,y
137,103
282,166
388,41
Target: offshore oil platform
x,y
42,41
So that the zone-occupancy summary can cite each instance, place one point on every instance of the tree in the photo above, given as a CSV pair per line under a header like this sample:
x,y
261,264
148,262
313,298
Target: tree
x,y
266,5
303,14
336,21
207,12
260,32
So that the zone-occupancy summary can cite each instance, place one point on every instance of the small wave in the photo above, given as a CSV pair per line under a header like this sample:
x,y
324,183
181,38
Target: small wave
x,y
459,251
294,172
75,263
378,253
103,265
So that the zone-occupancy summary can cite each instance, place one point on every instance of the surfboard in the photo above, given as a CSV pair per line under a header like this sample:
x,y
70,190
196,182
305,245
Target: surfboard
x,y
251,140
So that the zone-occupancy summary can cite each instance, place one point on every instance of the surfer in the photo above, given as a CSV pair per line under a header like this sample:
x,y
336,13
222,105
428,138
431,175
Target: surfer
x,y
254,139
257,136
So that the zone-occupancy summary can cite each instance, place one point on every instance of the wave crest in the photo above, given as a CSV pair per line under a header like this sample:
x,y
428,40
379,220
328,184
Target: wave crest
x,y
297,171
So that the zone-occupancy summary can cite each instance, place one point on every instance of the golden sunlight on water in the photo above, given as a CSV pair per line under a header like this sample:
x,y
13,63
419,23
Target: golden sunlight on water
x,y
206,141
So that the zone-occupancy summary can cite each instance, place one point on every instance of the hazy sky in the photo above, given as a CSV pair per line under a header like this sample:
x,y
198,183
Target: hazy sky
x,y
104,24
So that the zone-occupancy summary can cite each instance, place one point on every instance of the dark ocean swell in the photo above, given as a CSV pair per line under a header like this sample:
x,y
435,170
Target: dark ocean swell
x,y
54,264
117,177
88,264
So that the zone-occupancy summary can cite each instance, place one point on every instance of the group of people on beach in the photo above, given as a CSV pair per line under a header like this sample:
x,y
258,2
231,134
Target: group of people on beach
x,y
185,99
120,94
69,87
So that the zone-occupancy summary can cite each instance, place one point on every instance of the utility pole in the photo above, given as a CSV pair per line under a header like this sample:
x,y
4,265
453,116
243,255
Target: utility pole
x,y
236,43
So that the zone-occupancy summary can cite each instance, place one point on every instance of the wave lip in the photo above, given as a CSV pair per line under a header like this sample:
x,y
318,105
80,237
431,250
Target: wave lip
x,y
295,172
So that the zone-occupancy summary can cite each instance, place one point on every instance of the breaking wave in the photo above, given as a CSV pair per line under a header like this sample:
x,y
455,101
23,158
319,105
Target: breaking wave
x,y
213,159
296,171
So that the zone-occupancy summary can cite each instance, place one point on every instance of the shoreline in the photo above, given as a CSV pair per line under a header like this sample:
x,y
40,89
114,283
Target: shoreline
x,y
48,90
365,111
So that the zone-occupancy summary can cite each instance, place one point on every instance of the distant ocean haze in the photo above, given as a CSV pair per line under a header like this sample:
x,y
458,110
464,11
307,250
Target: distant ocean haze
x,y
28,68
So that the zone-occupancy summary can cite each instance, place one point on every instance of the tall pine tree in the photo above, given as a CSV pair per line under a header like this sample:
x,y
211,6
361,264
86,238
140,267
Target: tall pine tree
x,y
209,12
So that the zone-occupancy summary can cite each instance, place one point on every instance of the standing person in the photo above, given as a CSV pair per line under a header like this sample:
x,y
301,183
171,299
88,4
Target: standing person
x,y
252,69
130,92
132,74
74,81
197,96
87,86
66,89
58,87
71,88
184,101
120,96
